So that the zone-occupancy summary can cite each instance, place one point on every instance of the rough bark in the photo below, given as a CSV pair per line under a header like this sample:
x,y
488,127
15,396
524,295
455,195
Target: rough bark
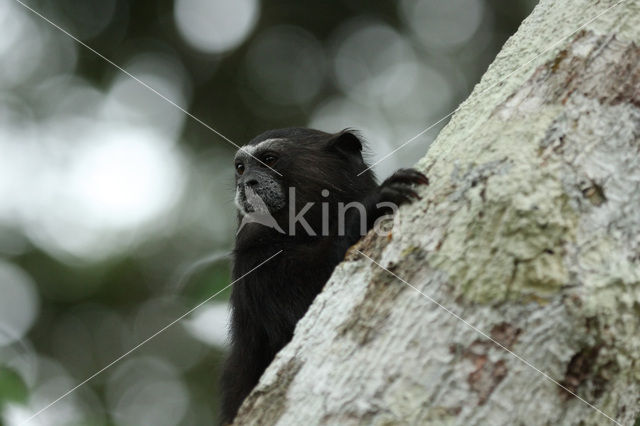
x,y
530,231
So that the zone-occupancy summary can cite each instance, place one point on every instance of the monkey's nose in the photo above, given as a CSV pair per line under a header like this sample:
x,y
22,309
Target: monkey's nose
x,y
251,182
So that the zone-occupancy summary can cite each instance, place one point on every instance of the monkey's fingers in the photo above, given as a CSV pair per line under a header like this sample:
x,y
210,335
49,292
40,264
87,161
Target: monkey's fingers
x,y
409,176
398,193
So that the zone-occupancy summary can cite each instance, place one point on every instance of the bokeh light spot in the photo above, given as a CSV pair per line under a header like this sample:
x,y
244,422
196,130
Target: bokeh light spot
x,y
19,303
286,65
146,391
443,24
124,178
215,26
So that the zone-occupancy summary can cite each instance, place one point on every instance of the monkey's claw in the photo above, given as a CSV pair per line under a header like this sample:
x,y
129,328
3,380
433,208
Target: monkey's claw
x,y
408,176
397,188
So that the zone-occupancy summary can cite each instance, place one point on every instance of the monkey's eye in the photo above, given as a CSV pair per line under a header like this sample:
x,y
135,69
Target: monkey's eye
x,y
269,160
239,168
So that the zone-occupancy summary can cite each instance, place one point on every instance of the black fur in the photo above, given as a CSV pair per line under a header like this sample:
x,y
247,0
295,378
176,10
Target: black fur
x,y
267,304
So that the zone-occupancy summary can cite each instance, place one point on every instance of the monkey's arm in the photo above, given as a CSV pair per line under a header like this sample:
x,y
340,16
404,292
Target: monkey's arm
x,y
396,189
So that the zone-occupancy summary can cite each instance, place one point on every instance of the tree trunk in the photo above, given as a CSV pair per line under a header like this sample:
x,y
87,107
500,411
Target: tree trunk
x,y
529,232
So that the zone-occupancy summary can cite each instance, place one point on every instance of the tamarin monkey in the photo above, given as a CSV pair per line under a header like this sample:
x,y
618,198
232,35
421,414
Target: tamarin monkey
x,y
292,187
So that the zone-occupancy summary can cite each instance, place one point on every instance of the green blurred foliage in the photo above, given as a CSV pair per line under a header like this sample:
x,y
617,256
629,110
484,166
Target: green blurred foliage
x,y
12,387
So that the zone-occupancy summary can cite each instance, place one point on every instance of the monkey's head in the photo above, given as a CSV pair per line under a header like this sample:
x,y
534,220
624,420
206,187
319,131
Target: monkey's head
x,y
317,166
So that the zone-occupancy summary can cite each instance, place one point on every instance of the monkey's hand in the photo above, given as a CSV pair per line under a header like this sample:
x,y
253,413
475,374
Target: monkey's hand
x,y
398,187
396,190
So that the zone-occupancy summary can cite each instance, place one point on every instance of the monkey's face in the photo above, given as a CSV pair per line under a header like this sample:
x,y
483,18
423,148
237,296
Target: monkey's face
x,y
281,172
259,187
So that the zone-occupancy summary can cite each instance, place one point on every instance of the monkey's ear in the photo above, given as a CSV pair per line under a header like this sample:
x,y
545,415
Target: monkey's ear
x,y
347,142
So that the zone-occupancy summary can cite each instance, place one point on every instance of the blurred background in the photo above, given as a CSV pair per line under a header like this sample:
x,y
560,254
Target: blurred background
x,y
116,208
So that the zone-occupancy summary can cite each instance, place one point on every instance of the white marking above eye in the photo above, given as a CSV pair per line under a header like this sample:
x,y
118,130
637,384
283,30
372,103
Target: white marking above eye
x,y
252,149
